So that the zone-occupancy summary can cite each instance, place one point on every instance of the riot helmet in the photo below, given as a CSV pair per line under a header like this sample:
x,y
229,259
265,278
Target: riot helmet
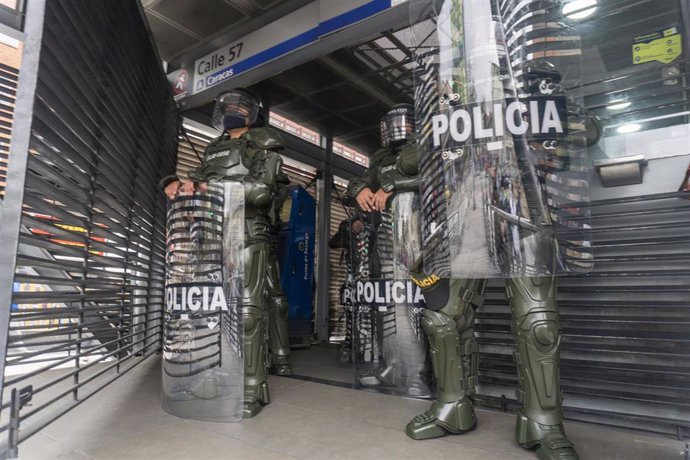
x,y
237,108
397,125
541,77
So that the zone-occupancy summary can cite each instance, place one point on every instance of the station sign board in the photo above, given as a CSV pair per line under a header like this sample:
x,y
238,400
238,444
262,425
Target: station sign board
x,y
302,27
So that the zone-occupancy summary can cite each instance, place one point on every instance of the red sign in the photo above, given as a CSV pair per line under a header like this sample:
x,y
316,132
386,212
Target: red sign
x,y
179,80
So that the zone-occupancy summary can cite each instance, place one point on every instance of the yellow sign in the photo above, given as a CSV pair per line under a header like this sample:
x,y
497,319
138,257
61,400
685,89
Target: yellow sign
x,y
664,46
426,282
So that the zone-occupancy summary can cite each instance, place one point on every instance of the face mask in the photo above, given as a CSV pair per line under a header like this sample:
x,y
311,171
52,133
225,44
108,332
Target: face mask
x,y
233,122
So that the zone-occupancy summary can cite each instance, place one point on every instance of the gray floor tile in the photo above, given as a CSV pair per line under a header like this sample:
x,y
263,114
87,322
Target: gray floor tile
x,y
305,420
41,446
378,409
598,443
279,385
72,456
183,441
320,361
493,429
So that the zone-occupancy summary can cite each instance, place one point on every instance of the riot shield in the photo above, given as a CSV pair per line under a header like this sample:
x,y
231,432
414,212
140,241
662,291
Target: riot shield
x,y
396,304
203,370
502,139
366,345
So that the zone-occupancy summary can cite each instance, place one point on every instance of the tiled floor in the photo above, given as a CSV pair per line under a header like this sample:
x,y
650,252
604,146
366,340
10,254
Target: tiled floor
x,y
305,420
320,361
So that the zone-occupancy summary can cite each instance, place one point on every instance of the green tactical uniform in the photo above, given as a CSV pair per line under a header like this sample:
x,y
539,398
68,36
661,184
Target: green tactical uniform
x,y
449,324
278,339
251,159
389,170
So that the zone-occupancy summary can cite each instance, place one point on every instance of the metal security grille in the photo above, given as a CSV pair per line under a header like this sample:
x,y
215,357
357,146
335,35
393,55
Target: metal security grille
x,y
88,283
626,344
8,93
190,150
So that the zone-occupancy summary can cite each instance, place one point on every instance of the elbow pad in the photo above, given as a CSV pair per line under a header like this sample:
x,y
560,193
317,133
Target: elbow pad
x,y
167,180
257,194
408,162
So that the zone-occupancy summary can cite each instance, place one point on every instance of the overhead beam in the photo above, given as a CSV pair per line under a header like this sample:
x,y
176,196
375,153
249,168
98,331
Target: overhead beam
x,y
246,7
357,80
314,103
398,44
174,24
187,56
358,133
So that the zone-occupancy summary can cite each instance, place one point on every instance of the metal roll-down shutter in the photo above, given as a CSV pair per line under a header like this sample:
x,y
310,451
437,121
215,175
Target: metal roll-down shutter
x,y
625,358
88,287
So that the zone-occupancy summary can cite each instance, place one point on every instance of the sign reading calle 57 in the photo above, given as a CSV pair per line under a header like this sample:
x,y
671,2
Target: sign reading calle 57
x,y
302,27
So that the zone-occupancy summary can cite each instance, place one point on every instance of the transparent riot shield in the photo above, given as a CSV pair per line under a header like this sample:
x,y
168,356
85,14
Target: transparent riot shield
x,y
503,134
203,370
396,304
366,343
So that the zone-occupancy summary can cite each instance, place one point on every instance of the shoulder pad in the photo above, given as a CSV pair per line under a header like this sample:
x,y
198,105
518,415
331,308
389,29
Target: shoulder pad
x,y
218,139
264,138
378,156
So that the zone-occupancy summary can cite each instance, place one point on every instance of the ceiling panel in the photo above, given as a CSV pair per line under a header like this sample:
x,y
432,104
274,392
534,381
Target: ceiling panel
x,y
169,39
203,18
266,3
309,78
342,99
338,125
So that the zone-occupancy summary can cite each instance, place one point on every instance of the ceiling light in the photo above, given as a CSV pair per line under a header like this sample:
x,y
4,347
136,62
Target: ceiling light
x,y
631,128
579,9
619,105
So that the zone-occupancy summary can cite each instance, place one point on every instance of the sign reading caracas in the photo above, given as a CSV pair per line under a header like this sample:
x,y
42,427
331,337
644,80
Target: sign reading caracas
x,y
271,41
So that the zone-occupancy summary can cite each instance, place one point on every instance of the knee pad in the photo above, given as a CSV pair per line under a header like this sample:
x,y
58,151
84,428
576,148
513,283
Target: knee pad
x,y
429,328
251,319
280,304
435,323
547,334
537,358
543,329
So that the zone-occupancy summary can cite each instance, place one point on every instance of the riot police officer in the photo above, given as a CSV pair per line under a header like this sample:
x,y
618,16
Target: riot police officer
x,y
393,168
392,172
246,152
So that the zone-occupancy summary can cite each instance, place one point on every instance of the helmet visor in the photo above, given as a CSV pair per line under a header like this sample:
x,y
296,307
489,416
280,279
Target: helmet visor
x,y
234,104
397,126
